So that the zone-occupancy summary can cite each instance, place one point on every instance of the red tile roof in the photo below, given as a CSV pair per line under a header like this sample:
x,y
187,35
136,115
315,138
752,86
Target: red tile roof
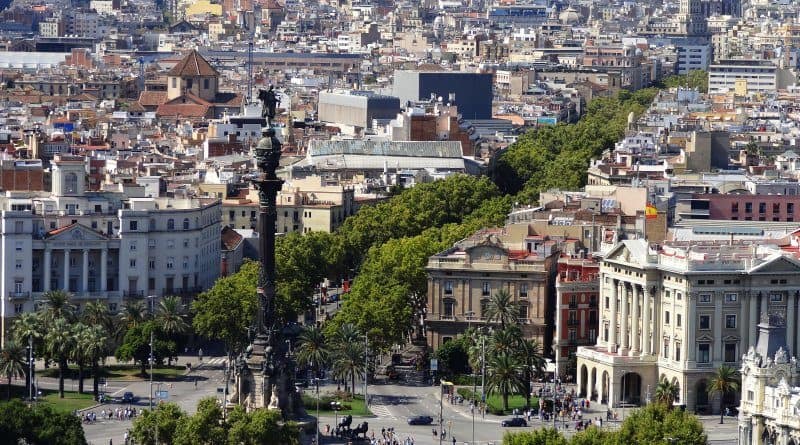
x,y
230,238
193,64
182,110
152,98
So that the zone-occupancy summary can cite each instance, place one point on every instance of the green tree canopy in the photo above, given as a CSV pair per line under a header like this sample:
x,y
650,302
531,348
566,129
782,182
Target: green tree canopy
x,y
136,345
38,425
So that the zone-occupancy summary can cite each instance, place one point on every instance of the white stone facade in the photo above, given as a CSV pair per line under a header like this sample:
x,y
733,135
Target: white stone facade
x,y
680,312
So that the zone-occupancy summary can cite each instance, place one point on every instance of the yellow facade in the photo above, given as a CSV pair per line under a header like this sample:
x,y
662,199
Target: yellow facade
x,y
201,7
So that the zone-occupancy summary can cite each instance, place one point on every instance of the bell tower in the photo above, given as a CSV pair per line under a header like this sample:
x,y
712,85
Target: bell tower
x,y
69,175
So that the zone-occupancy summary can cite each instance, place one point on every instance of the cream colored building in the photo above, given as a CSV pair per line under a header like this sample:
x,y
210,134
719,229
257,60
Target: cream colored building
x,y
304,205
463,278
769,413
679,312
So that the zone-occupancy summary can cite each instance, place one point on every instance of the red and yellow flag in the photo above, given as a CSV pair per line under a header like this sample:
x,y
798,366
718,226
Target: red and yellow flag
x,y
650,211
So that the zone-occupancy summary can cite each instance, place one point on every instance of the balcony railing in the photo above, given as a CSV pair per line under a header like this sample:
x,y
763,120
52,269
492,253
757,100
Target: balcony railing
x,y
573,304
133,294
18,295
180,291
573,322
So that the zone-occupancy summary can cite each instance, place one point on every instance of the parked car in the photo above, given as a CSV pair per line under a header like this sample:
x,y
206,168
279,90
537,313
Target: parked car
x,y
128,397
333,298
514,421
420,420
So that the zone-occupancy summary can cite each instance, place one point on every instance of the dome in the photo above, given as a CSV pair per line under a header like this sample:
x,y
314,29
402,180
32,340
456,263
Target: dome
x,y
569,16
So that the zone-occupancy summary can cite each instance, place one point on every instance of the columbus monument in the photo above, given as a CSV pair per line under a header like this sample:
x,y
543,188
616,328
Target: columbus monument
x,y
265,371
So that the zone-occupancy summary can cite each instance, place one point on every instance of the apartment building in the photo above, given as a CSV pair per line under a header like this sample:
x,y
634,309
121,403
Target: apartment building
x,y
680,310
105,246
577,297
462,279
742,76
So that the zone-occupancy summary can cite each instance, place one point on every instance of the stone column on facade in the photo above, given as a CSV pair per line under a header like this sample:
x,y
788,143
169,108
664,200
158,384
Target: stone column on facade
x,y
624,345
635,319
690,339
764,306
47,262
744,323
612,319
85,272
790,320
719,320
647,341
66,269
752,302
103,266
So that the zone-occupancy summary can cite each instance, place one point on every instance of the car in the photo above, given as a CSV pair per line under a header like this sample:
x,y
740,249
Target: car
x,y
420,420
128,397
333,298
515,421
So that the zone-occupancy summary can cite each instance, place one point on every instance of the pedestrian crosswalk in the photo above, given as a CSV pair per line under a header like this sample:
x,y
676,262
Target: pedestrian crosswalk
x,y
382,411
214,361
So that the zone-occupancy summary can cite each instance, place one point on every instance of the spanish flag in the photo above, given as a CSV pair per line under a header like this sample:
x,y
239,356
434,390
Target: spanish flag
x,y
650,211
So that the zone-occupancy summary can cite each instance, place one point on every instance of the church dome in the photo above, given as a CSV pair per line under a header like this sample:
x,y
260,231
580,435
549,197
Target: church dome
x,y
569,16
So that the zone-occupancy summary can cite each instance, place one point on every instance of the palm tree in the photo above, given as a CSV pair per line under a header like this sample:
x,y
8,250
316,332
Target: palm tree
x,y
133,314
532,361
12,362
348,333
349,361
58,344
502,309
78,355
504,375
27,328
96,314
724,382
57,304
312,350
169,316
95,345
505,341
666,393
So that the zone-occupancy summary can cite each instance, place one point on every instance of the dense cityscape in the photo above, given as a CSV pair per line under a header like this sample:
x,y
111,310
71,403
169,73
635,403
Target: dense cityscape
x,y
512,222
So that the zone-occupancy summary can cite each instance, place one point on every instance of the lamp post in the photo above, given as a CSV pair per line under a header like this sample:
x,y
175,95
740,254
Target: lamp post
x,y
152,359
316,380
30,367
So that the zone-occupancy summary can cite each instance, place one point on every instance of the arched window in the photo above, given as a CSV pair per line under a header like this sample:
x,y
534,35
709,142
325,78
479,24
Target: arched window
x,y
71,183
170,224
185,223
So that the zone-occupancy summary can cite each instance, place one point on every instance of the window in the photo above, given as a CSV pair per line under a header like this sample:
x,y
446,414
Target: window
x,y
522,311
71,183
762,207
748,207
776,297
18,308
730,321
133,225
174,82
448,287
170,262
231,215
112,307
205,84
185,223
133,263
186,242
776,207
665,353
607,303
730,297
789,207
19,226
170,244
750,395
18,246
170,224
18,266
734,207
487,288
523,290
449,304
704,322
186,262
677,351
133,246
730,352
703,353
666,317
678,320
705,298
605,332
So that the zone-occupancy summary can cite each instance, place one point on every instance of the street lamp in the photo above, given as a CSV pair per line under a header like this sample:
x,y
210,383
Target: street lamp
x,y
151,304
30,367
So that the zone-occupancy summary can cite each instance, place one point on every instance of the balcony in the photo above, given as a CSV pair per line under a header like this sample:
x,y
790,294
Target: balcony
x,y
593,304
573,322
573,305
18,295
133,294
182,291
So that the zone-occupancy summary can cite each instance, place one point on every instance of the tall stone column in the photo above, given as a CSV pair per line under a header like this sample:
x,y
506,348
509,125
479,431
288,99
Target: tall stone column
x,y
612,322
752,301
85,272
790,320
635,319
103,266
648,342
624,328
66,269
47,263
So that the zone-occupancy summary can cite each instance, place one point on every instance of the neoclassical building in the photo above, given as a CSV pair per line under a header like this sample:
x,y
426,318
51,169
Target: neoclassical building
x,y
679,311
109,246
769,413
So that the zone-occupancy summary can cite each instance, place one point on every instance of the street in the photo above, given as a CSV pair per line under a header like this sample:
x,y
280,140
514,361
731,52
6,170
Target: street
x,y
209,377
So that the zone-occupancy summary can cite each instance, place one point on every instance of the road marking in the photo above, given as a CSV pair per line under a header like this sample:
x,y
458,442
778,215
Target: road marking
x,y
382,411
